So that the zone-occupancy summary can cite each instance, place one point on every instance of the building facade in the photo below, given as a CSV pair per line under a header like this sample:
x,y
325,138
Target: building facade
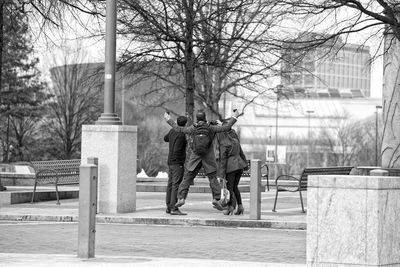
x,y
343,71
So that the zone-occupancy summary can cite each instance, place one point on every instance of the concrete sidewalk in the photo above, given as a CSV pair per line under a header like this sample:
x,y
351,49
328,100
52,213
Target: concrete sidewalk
x,y
150,209
37,243
34,242
59,260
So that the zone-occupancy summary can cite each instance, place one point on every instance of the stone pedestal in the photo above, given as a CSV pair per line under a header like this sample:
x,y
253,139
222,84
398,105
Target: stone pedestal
x,y
353,220
116,148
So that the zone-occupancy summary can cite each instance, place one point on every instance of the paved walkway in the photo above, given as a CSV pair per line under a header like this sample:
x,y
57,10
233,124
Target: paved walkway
x,y
150,209
40,260
151,245
37,235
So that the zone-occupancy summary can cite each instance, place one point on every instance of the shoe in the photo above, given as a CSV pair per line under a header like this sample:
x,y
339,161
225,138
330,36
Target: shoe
x,y
180,202
223,208
177,212
229,211
168,210
239,210
217,204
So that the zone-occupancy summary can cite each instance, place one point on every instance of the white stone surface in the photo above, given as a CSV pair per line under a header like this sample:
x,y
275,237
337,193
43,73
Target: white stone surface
x,y
353,220
116,148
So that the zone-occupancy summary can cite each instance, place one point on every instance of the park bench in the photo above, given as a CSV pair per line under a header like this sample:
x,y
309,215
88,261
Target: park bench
x,y
246,173
365,170
301,181
57,172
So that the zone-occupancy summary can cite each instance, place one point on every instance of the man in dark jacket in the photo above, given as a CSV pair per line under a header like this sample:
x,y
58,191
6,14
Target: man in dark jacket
x,y
176,160
207,160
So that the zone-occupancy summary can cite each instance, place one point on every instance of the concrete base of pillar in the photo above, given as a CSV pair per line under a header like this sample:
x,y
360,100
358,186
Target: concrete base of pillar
x,y
353,221
116,148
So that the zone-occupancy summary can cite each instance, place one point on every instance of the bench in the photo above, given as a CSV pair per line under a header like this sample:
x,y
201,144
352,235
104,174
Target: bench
x,y
365,170
246,173
301,182
57,172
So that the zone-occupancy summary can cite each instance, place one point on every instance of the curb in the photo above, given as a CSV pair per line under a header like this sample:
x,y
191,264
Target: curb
x,y
283,225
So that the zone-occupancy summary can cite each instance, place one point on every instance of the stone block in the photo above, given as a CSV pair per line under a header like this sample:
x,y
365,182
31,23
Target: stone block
x,y
115,146
353,220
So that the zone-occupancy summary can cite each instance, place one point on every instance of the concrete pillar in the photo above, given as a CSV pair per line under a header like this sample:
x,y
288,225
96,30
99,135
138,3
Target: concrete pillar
x,y
353,220
115,146
87,210
255,189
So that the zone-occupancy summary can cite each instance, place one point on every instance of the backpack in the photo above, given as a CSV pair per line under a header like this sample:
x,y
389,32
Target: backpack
x,y
201,139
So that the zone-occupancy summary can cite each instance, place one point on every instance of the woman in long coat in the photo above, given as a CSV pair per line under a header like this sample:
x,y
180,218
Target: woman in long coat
x,y
232,161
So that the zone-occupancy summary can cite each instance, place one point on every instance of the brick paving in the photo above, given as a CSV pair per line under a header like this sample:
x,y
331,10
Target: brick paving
x,y
211,243
43,242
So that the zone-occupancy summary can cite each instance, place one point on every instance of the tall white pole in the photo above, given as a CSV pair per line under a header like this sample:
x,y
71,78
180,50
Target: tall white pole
x,y
376,136
309,137
278,91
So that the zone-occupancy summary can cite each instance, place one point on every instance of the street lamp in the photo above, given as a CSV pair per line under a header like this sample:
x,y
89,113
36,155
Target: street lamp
x,y
376,135
277,91
309,136
109,117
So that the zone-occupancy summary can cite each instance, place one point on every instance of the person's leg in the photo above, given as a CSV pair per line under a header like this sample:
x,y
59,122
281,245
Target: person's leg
x,y
240,208
177,176
235,189
215,190
214,185
230,180
169,188
185,184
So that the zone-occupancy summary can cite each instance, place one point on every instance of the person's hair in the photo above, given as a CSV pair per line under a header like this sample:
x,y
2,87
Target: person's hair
x,y
201,116
181,121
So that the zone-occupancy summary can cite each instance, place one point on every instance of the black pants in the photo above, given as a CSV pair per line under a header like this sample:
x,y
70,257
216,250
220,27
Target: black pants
x,y
175,175
188,180
232,182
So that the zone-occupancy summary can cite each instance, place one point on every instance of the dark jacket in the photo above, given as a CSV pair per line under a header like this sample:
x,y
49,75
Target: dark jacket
x,y
177,147
229,153
208,160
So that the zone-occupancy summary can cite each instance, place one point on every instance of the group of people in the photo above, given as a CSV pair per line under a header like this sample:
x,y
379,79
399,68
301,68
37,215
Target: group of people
x,y
215,147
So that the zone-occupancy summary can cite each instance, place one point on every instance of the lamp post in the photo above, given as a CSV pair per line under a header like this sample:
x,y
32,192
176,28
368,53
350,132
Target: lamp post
x,y
309,112
109,117
277,90
376,134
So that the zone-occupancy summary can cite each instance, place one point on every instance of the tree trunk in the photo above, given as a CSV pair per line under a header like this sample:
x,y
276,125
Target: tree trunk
x,y
1,43
189,62
391,98
1,55
6,158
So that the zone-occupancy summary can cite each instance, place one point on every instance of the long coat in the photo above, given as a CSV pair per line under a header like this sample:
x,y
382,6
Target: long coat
x,y
229,153
208,160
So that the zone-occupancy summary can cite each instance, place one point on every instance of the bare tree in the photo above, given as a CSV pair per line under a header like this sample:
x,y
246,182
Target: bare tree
x,y
379,19
218,45
76,89
350,142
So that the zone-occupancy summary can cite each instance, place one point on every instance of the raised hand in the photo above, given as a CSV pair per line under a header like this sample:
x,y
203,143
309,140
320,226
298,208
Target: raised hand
x,y
167,116
235,113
